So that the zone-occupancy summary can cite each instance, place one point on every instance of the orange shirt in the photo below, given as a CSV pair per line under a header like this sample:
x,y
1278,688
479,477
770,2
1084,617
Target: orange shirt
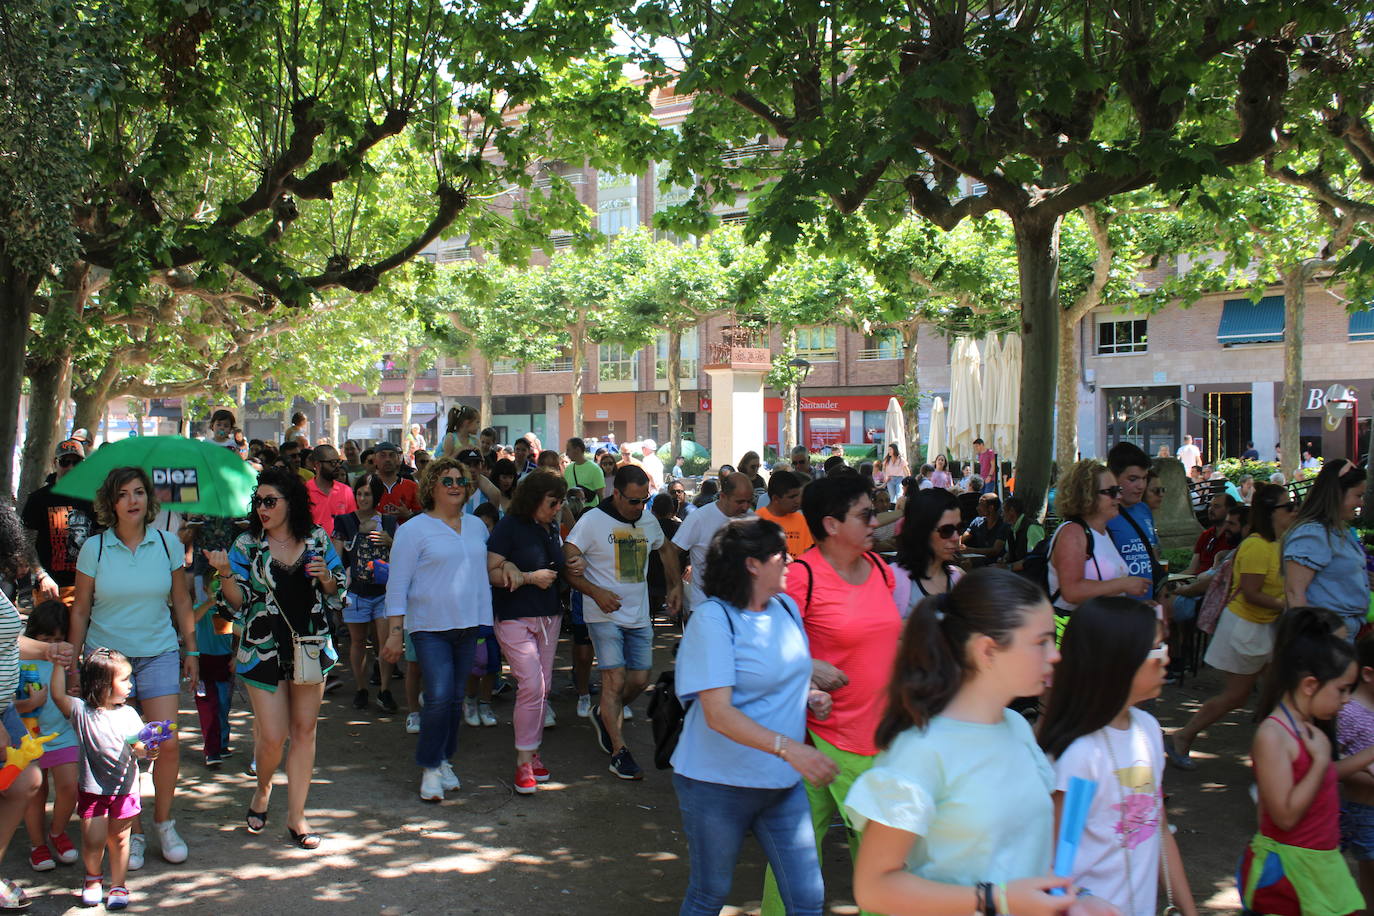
x,y
793,525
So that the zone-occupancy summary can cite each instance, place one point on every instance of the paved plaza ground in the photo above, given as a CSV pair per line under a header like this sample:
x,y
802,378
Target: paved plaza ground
x,y
586,843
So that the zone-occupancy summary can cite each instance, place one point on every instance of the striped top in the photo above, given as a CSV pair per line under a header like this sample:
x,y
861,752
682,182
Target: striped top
x,y
10,628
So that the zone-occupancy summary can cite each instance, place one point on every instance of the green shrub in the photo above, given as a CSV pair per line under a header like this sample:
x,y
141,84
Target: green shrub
x,y
1233,469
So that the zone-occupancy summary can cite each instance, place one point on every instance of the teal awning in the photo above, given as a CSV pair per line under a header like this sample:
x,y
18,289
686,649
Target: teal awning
x,y
1362,324
1246,322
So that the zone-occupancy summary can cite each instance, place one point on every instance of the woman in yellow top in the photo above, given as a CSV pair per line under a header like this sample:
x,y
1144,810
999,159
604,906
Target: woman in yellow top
x,y
1244,638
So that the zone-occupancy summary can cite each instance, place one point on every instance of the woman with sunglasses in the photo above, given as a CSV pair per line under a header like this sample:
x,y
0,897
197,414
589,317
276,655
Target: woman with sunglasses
x,y
1084,562
438,594
1244,638
1323,561
927,548
524,559
283,578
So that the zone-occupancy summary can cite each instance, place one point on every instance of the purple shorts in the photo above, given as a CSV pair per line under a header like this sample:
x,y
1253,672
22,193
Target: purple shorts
x,y
119,807
60,756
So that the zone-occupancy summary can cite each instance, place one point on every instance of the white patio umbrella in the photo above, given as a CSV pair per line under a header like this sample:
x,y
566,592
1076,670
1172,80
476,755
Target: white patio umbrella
x,y
894,430
1009,397
965,393
935,435
989,417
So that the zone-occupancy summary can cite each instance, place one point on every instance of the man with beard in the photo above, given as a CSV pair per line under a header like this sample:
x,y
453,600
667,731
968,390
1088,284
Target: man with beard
x,y
60,525
329,494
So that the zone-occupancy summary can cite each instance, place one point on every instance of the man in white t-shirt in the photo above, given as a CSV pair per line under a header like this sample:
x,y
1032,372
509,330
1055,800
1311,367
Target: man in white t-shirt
x,y
653,465
613,541
1189,454
695,535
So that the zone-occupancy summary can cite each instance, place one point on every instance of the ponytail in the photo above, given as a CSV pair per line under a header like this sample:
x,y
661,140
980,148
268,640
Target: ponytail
x,y
1304,646
932,662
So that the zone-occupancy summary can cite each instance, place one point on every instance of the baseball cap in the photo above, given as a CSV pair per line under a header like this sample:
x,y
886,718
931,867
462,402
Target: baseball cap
x,y
81,435
469,455
70,447
387,446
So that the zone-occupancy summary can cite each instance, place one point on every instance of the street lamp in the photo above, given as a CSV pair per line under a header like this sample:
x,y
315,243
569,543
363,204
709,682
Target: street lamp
x,y
801,368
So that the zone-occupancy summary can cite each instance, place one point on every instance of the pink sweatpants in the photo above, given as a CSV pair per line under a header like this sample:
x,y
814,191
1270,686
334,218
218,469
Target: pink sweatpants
x,y
528,644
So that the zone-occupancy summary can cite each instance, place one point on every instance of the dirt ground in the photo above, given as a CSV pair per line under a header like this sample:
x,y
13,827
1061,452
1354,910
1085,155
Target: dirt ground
x,y
585,843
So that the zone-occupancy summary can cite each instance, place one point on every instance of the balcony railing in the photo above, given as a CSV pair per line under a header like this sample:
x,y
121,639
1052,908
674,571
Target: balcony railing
x,y
819,356
401,373
877,353
747,151
458,372
740,347
505,367
562,364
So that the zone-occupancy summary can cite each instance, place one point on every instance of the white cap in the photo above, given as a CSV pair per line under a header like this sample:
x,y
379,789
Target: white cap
x,y
650,444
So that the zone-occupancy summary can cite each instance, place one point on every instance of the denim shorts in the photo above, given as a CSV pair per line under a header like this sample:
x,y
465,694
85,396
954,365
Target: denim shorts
x,y
156,675
1357,830
14,725
622,647
364,608
410,649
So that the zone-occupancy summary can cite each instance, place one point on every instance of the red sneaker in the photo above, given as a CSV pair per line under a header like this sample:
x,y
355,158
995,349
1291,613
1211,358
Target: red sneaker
x,y
66,852
41,859
525,783
541,773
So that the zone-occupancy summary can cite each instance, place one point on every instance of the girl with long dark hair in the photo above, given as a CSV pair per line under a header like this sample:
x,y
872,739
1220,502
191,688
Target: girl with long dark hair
x,y
939,835
1113,659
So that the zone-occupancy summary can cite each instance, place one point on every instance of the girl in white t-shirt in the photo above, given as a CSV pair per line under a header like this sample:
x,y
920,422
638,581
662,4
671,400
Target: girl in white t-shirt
x,y
1114,656
939,834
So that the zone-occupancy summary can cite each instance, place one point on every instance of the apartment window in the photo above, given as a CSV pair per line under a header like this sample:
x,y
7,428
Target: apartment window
x,y
816,344
617,363
886,345
505,367
659,423
617,202
1122,336
691,353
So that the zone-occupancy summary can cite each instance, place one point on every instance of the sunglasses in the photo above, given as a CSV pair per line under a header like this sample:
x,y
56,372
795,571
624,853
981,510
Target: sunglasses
x,y
947,531
1113,492
69,461
1287,507
266,502
865,515
454,482
635,502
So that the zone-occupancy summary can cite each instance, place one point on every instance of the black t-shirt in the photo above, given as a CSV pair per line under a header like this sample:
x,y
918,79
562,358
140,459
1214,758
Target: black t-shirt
x,y
530,547
982,535
63,523
359,550
657,577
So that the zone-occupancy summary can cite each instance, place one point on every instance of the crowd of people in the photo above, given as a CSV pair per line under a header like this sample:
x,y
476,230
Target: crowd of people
x,y
898,653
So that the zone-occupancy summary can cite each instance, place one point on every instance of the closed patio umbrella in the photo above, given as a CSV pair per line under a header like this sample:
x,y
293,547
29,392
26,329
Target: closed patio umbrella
x,y
965,395
935,435
894,430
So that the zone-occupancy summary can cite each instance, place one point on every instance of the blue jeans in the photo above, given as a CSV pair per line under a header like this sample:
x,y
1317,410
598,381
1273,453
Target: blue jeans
x,y
445,663
716,818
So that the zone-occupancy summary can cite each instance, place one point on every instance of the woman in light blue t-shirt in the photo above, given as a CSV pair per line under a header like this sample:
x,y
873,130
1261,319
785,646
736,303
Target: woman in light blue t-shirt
x,y
125,578
957,813
1323,560
744,665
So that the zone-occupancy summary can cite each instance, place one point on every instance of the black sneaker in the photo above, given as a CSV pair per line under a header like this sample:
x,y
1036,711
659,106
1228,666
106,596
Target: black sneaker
x,y
603,737
214,760
360,699
624,766
385,701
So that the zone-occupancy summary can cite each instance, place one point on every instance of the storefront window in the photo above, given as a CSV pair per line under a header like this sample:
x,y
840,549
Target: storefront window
x,y
1125,406
823,431
875,424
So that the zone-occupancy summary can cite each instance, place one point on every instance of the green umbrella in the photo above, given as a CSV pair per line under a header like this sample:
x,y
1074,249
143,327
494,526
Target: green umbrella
x,y
188,475
690,450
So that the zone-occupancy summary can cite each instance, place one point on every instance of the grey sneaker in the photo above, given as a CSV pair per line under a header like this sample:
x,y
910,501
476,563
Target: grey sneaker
x,y
138,848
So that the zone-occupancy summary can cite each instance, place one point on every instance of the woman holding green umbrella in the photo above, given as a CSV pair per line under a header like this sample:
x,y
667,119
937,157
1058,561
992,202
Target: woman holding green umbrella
x,y
125,578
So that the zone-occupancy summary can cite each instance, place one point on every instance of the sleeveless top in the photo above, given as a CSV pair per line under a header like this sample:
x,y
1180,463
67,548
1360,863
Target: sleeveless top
x,y
1104,564
1320,826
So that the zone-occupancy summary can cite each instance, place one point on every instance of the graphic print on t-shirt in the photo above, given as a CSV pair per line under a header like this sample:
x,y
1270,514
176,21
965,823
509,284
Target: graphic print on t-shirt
x,y
631,554
1138,811
68,528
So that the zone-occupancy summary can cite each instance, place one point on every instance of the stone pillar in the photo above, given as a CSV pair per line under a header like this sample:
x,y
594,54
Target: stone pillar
x,y
1175,522
737,366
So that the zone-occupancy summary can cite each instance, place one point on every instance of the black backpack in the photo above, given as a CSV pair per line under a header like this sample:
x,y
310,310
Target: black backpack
x,y
667,713
1036,565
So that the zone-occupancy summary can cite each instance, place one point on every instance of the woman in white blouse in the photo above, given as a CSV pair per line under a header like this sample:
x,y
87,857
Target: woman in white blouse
x,y
438,594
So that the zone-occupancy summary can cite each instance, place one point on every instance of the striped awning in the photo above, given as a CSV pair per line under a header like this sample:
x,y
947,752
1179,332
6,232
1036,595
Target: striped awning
x,y
1246,322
